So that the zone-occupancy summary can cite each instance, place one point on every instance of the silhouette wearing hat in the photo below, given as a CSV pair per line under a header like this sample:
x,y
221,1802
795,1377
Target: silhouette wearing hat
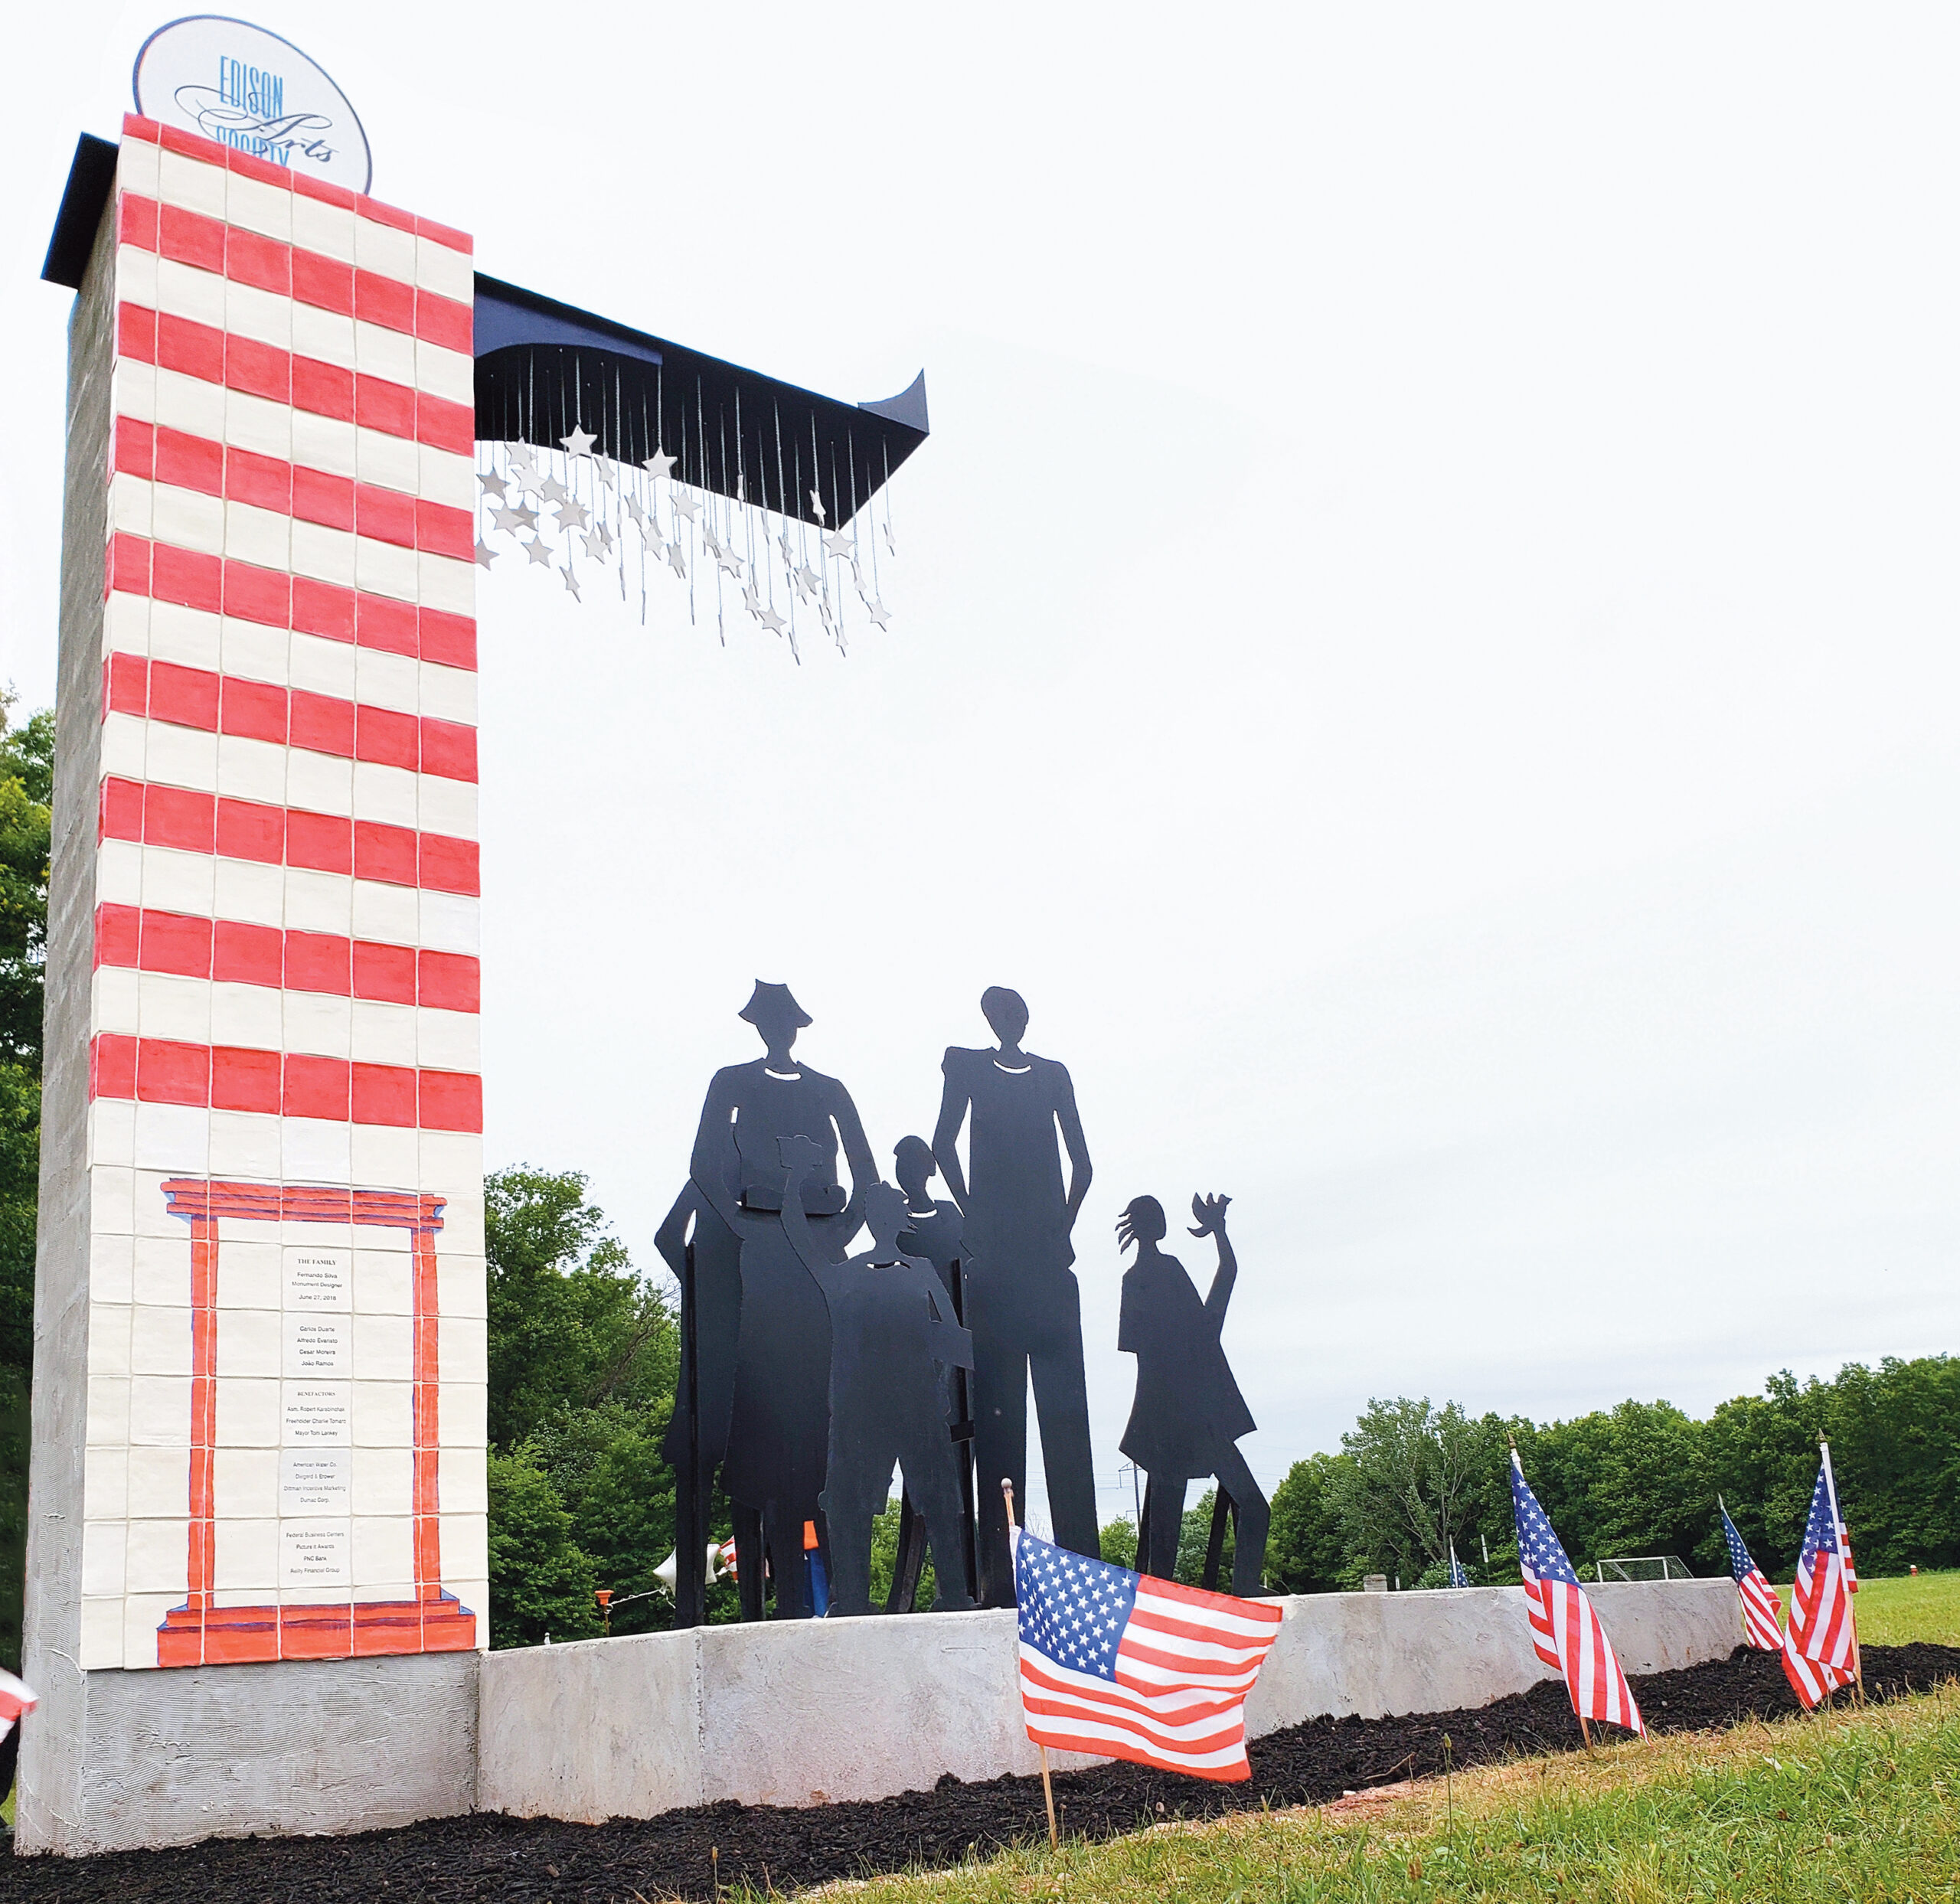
x,y
778,1372
890,1321
1023,1303
1188,1413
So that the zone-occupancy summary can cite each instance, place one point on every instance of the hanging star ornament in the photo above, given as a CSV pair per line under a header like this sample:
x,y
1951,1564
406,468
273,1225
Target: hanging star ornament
x,y
840,545
689,504
579,442
511,521
571,583
752,601
553,491
675,561
772,621
631,506
572,515
817,504
539,551
492,484
658,464
485,555
878,615
594,544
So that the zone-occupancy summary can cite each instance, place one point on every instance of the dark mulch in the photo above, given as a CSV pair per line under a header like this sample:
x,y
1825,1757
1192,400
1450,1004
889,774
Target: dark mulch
x,y
487,1856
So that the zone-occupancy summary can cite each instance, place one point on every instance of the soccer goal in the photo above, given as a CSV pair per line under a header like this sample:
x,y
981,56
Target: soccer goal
x,y
1644,1566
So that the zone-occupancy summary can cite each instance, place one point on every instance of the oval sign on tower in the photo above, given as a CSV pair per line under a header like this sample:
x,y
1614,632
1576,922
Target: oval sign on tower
x,y
231,81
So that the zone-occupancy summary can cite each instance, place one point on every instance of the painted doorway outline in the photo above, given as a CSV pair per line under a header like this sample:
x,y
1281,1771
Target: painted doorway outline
x,y
200,1633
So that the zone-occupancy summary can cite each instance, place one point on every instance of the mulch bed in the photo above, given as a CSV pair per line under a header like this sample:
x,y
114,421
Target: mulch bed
x,y
490,1857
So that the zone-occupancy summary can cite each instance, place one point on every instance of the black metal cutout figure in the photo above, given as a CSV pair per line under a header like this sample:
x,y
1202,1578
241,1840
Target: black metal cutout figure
x,y
933,1232
1024,1305
889,1323
1188,1413
778,1384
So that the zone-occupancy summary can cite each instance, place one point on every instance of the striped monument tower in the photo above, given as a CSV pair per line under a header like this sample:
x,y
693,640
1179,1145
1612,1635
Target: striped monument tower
x,y
257,1556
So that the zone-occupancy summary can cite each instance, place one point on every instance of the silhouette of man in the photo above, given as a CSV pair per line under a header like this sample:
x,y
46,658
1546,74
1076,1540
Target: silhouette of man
x,y
890,1321
1024,1305
1188,1413
778,1433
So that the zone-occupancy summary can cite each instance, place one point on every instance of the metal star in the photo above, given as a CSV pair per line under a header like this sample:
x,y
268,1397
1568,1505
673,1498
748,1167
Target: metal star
x,y
878,615
690,506
772,621
526,515
594,544
817,504
492,484
572,515
538,551
602,467
631,506
730,563
571,583
841,544
892,545
513,520
809,582
788,549
659,463
752,601
553,491
712,543
674,561
605,536
579,442
485,555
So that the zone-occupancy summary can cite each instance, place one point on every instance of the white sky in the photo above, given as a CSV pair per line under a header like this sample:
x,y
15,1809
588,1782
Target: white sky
x,y
1424,640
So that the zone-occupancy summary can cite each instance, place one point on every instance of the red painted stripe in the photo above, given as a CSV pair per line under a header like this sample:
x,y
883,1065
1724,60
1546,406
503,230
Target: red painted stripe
x,y
160,454
295,717
254,369
1199,1631
285,1084
1154,1588
1120,1698
1063,1740
1194,1669
230,952
275,836
217,585
173,138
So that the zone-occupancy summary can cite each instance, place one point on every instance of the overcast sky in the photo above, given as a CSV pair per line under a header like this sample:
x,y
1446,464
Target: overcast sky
x,y
1423,642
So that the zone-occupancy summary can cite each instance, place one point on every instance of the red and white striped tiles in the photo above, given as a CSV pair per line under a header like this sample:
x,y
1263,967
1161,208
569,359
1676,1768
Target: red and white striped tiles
x,y
286,989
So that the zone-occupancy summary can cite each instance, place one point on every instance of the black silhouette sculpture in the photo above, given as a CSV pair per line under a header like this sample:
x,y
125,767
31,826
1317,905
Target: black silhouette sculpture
x,y
933,1232
889,1323
1188,1414
773,1364
1024,1305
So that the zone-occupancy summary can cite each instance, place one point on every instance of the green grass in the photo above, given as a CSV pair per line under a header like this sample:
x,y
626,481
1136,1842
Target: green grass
x,y
1922,1606
1854,1805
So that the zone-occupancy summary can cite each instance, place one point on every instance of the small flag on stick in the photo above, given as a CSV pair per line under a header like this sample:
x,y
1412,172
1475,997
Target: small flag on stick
x,y
1821,1653
1565,1630
1762,1611
1128,1667
16,1700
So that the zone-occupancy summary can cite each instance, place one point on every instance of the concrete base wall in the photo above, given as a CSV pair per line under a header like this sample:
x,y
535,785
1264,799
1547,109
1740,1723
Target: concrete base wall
x,y
804,1714
172,1757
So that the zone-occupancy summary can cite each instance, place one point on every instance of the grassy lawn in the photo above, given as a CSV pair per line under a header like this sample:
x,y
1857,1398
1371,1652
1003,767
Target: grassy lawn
x,y
1924,1606
1864,1805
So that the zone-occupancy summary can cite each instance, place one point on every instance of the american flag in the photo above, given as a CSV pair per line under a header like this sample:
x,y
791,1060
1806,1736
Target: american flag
x,y
1459,1574
1127,1667
17,1699
1565,1630
1823,1649
1762,1611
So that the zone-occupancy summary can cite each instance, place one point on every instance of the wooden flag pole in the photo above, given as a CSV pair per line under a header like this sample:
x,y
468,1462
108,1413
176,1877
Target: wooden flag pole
x,y
1047,1785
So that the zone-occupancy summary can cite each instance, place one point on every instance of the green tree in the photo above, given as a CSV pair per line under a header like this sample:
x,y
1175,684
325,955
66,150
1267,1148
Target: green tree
x,y
1119,1542
1411,1484
541,1582
1305,1552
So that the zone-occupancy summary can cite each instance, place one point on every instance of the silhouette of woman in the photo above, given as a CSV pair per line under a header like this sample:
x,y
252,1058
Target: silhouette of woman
x,y
779,1412
1188,1414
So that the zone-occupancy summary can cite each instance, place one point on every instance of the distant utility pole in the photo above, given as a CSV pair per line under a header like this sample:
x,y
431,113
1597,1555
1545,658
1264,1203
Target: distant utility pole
x,y
1136,1491
1487,1548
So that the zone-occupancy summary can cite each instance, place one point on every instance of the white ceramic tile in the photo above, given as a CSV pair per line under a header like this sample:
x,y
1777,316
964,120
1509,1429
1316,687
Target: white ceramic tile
x,y
258,424
261,537
248,1342
149,1205
389,915
250,1275
174,1138
316,1556
325,336
174,1006
462,1284
393,462
449,1041
259,206
101,1634
257,653
449,374
463,1351
386,793
326,229
383,1415
444,583
383,1285
158,1556
108,1411
319,782
136,167
113,1200
188,636
189,404
159,1411
132,390
182,290
380,568
247,1559
465,1546
111,1277
324,443
464,1481
317,1022
119,873
247,1015
108,1338
317,1347
161,1269
318,902
326,554
251,769
126,625
315,1151
106,1483
444,476
384,249
326,666
159,1483
131,506
143,1614
449,273
449,694
382,1157
450,922
248,1415
103,1544
245,1144
160,1343
448,807
262,315
194,183
122,755
383,1550
136,275
116,1006
383,1346
182,757
380,352
463,1407
179,882
452,1167
112,1131
384,1481
315,1482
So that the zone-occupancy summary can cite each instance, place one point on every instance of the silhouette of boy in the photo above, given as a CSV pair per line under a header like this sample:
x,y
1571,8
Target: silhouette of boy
x,y
1188,1414
889,1325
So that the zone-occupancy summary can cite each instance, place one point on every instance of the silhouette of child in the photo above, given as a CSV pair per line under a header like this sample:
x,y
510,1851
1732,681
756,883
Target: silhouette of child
x,y
890,1323
1188,1413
